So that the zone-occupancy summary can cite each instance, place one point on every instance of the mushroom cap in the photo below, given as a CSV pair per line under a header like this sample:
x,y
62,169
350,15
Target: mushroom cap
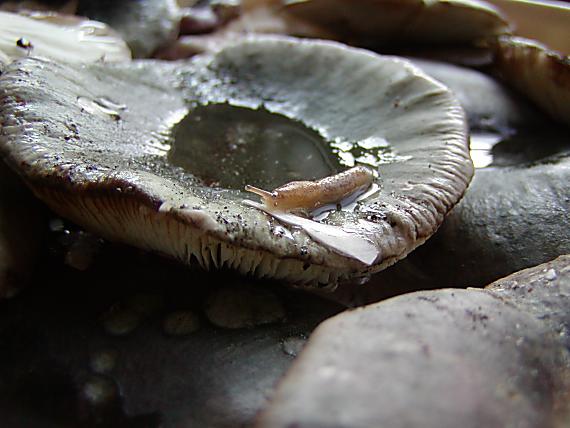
x,y
514,214
440,359
61,37
396,22
541,74
146,25
96,143
490,106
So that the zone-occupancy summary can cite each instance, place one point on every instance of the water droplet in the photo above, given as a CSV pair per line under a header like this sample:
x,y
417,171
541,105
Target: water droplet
x,y
103,362
99,391
111,105
293,345
550,275
120,321
96,108
56,225
480,148
363,280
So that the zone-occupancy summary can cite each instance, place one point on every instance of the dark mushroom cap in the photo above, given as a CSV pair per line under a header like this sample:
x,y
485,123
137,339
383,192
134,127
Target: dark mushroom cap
x,y
397,22
96,143
146,25
539,73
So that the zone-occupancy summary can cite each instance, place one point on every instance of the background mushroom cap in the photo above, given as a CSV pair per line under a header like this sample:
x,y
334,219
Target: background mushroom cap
x,y
541,74
146,25
443,358
396,22
61,37
92,146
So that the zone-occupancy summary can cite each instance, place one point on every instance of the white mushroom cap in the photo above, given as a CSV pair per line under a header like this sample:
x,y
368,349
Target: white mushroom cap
x,y
61,37
94,143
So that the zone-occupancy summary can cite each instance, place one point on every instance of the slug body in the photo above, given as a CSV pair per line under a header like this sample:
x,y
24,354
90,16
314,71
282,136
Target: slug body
x,y
310,195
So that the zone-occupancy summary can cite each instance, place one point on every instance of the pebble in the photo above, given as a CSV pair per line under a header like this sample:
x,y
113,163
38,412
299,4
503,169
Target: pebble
x,y
243,307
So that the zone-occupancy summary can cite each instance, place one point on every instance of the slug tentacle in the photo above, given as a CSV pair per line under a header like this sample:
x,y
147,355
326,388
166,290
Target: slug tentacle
x,y
309,195
263,193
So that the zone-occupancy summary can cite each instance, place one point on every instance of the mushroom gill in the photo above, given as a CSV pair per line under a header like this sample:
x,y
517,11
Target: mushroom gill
x,y
157,154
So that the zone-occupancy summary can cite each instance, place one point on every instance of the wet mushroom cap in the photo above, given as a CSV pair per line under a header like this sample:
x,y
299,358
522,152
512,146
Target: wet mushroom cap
x,y
514,215
128,152
61,37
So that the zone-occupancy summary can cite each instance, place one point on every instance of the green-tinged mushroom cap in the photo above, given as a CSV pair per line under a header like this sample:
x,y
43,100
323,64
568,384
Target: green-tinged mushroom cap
x,y
157,154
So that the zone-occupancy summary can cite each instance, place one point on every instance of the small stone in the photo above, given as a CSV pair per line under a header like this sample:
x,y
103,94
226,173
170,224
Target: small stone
x,y
181,323
293,345
103,362
99,391
82,251
243,307
550,275
120,321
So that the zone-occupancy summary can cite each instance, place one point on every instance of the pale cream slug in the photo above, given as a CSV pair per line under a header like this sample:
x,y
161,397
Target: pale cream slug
x,y
309,195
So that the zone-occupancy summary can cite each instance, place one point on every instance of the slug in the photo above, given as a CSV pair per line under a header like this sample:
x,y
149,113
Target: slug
x,y
309,195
